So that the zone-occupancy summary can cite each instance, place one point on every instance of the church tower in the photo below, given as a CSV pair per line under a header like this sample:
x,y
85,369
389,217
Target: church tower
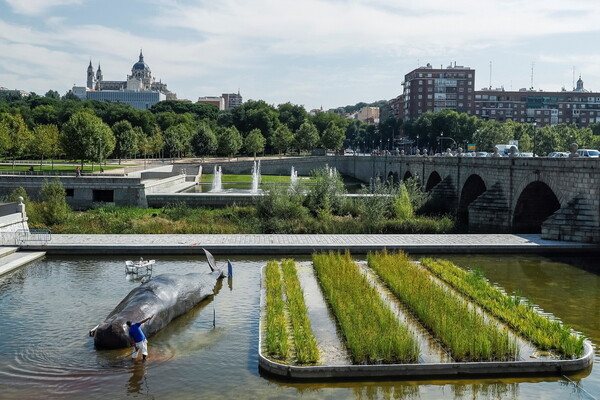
x,y
98,77
579,85
90,76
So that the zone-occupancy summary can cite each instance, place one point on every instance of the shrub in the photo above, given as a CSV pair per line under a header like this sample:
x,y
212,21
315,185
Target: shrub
x,y
327,192
403,207
53,208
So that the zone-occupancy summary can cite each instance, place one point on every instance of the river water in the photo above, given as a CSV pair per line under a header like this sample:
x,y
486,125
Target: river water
x,y
47,308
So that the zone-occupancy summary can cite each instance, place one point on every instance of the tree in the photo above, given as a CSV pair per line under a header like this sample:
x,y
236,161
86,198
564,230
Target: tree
x,y
230,141
86,137
19,135
255,142
156,142
490,134
292,115
204,141
333,137
307,136
52,94
45,114
45,142
282,139
177,139
125,139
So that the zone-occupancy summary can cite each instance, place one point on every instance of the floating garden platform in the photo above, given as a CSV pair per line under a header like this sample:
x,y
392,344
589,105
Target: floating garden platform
x,y
393,317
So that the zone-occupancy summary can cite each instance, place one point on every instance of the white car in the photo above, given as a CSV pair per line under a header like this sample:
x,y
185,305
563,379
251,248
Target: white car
x,y
558,154
588,153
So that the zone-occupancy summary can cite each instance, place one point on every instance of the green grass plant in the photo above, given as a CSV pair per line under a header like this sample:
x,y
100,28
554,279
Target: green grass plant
x,y
57,167
305,343
464,331
545,333
371,331
206,178
276,334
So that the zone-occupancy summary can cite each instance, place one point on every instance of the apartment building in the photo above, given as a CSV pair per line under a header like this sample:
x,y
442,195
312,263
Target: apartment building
x,y
431,89
579,106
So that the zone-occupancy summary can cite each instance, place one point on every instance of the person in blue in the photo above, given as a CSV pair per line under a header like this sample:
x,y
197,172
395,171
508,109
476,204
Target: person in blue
x,y
138,338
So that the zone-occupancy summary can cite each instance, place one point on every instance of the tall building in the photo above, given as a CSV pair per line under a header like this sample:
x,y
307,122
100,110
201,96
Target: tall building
x,y
430,89
140,90
232,100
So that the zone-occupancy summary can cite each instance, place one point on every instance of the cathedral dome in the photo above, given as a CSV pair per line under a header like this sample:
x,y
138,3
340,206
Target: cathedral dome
x,y
140,65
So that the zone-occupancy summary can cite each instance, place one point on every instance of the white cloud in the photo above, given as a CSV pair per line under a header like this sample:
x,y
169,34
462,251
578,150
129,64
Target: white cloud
x,y
310,52
36,7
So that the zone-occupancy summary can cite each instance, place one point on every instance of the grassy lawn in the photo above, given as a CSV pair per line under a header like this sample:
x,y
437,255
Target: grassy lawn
x,y
57,167
248,178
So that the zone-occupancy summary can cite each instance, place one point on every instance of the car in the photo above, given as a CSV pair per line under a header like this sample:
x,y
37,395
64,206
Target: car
x,y
482,154
558,154
349,152
588,153
525,155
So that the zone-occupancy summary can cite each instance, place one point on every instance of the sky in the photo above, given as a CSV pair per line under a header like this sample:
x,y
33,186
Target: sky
x,y
315,53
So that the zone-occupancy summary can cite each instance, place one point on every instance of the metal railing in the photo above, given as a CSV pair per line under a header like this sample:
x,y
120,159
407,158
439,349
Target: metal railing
x,y
33,235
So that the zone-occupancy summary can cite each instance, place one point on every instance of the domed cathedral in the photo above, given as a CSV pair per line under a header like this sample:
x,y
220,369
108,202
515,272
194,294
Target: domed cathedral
x,y
140,80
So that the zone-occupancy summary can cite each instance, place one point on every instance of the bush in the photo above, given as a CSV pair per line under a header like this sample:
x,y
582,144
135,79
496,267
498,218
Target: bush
x,y
327,192
403,207
13,197
281,202
53,208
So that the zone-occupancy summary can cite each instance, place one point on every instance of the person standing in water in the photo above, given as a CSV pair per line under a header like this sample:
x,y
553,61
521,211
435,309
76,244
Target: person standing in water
x,y
138,338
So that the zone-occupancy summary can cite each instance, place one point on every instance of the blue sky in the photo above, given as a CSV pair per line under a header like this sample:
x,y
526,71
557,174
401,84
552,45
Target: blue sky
x,y
311,52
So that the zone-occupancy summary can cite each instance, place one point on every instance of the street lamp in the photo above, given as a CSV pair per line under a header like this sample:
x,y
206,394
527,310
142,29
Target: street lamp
x,y
534,137
417,143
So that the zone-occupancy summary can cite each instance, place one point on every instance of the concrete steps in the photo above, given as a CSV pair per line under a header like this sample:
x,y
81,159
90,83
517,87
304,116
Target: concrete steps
x,y
11,258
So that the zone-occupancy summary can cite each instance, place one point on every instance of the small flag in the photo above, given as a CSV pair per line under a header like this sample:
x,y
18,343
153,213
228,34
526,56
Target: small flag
x,y
229,269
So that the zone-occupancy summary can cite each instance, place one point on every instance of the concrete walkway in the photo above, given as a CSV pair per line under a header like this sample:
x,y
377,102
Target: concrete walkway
x,y
305,244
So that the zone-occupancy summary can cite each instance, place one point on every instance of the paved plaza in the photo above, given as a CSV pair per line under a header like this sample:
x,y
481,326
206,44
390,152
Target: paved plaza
x,y
305,244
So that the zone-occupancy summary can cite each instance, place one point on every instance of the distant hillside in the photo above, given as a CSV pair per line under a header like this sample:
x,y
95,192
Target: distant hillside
x,y
357,106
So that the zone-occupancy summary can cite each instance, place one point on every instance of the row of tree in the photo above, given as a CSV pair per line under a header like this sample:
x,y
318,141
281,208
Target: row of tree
x,y
50,126
462,129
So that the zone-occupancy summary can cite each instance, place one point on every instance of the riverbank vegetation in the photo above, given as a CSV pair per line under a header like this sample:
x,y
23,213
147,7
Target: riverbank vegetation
x,y
321,207
286,316
305,344
276,335
465,332
545,333
371,331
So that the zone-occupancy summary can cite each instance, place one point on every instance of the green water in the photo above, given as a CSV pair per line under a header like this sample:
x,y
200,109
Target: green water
x,y
47,308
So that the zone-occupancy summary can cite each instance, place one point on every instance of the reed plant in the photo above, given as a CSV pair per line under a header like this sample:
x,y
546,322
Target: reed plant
x,y
276,334
305,343
545,333
464,330
371,331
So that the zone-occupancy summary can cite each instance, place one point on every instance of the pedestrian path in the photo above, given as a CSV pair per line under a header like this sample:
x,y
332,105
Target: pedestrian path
x,y
306,244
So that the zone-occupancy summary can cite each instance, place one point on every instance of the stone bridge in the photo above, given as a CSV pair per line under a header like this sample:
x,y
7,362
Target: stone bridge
x,y
558,197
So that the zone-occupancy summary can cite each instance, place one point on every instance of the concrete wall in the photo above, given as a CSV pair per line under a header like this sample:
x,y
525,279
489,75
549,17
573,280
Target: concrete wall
x,y
13,218
126,191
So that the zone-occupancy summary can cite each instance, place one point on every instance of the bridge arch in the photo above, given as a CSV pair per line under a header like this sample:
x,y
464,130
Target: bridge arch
x,y
536,202
393,177
434,179
473,187
407,176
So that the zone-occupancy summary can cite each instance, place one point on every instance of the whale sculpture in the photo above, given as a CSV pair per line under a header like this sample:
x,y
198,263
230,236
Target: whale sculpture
x,y
164,297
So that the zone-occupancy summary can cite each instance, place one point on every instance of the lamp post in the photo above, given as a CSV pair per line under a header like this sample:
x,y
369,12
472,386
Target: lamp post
x,y
417,143
534,137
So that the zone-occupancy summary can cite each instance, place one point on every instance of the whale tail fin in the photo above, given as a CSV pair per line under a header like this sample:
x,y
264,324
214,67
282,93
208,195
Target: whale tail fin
x,y
211,260
213,265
